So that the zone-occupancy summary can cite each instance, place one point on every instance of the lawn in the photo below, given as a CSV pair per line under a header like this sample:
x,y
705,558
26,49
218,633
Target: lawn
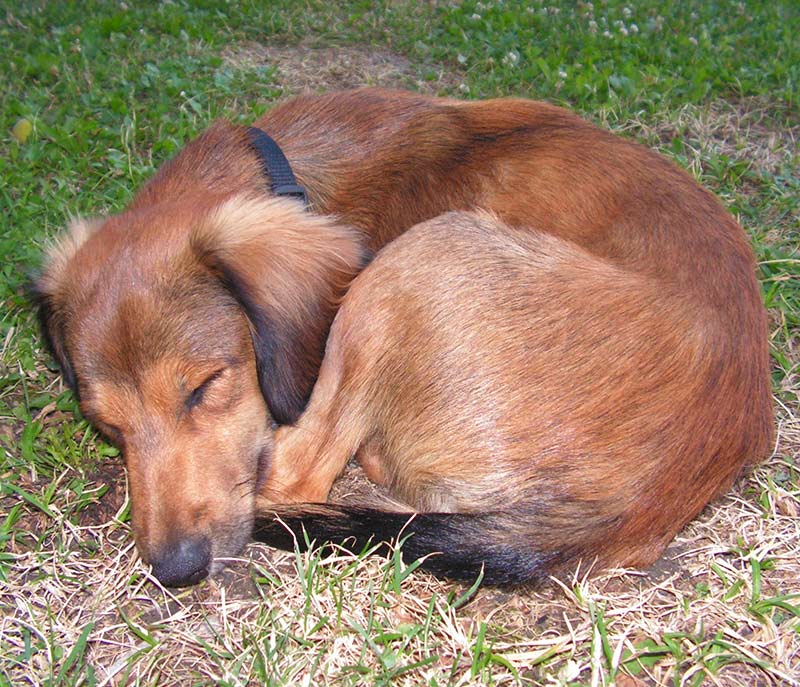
x,y
96,95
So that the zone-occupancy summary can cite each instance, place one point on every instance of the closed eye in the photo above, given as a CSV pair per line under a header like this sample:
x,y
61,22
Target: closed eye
x,y
196,397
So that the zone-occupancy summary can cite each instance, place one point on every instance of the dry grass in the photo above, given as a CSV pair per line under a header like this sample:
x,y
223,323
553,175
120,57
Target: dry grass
x,y
747,131
78,607
298,619
305,67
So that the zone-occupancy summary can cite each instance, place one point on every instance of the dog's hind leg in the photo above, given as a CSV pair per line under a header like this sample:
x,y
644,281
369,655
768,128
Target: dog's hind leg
x,y
312,453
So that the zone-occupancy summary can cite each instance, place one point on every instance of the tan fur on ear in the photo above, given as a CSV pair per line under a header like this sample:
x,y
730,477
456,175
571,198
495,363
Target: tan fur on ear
x,y
52,286
305,245
63,248
288,269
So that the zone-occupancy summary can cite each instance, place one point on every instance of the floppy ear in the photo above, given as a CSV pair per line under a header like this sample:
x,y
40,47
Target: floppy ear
x,y
288,269
51,286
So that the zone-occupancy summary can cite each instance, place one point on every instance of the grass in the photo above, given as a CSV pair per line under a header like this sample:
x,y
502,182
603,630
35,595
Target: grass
x,y
111,90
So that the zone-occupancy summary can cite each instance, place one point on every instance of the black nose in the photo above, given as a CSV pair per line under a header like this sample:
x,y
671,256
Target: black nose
x,y
182,563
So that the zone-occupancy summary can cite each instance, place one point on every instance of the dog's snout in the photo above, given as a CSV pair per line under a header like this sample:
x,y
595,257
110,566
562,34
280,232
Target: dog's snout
x,y
183,563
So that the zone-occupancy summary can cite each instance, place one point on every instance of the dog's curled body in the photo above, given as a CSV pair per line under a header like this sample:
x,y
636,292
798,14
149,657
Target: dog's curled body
x,y
178,318
547,404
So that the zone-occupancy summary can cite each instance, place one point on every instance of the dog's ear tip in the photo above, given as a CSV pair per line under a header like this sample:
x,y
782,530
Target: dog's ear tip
x,y
286,366
282,413
284,400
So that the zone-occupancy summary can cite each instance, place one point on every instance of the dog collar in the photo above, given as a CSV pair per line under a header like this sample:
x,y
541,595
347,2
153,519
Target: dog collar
x,y
276,166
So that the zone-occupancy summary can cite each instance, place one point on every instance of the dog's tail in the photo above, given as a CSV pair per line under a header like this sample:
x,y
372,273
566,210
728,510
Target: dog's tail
x,y
459,546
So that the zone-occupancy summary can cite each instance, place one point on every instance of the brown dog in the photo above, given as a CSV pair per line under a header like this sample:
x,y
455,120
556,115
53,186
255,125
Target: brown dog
x,y
175,320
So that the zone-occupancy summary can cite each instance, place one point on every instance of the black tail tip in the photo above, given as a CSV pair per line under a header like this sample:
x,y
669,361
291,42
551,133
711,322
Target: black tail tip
x,y
462,547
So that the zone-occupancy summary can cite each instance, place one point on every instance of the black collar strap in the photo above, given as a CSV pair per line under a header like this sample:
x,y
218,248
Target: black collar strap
x,y
276,166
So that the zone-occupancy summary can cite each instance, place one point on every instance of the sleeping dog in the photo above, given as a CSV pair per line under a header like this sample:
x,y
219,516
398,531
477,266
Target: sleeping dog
x,y
609,376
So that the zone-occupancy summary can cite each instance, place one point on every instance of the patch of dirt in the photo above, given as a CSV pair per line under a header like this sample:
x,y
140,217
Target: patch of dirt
x,y
304,67
111,475
669,566
353,487
749,130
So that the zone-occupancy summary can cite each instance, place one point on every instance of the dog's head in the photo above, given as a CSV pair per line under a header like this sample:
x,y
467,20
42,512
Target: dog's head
x,y
189,330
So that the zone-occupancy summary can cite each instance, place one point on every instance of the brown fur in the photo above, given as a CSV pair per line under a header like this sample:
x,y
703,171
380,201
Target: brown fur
x,y
646,381
586,404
